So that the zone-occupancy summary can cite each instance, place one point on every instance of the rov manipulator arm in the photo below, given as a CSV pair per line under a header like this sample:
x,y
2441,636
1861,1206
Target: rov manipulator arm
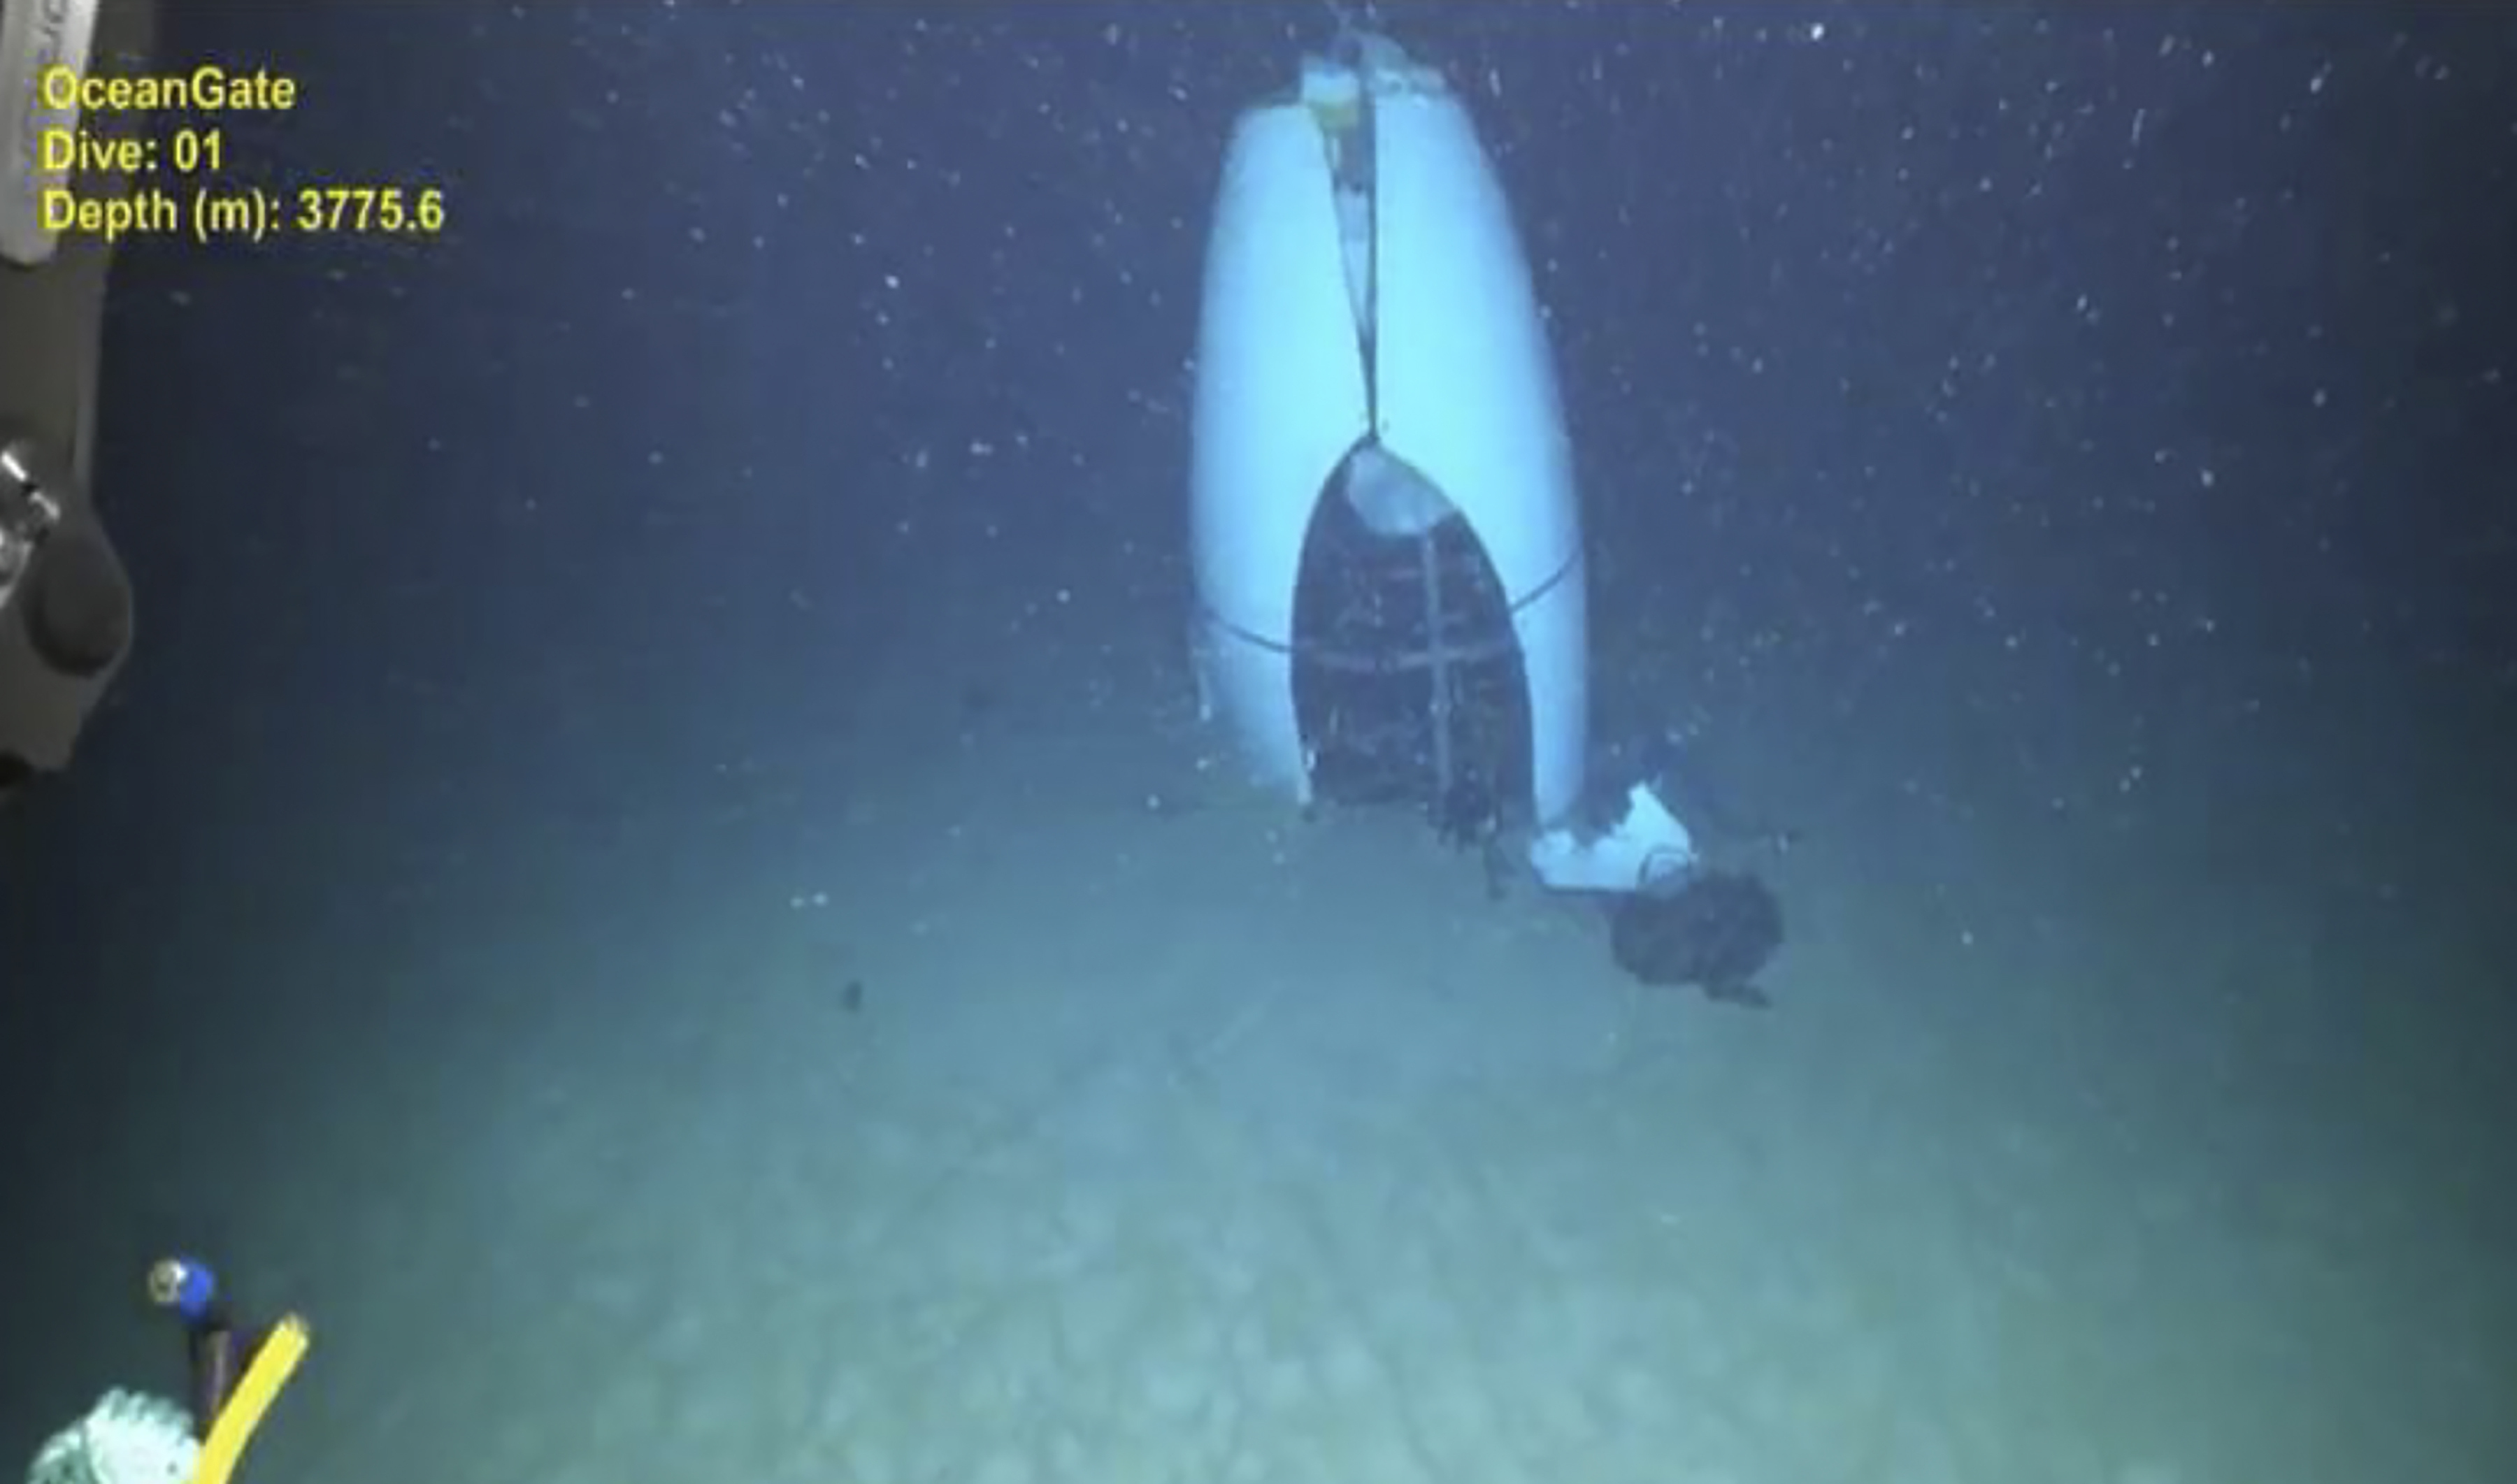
x,y
65,603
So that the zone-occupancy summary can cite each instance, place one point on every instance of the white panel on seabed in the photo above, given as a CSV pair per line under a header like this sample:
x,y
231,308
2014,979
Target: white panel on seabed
x,y
1468,400
1280,400
1468,394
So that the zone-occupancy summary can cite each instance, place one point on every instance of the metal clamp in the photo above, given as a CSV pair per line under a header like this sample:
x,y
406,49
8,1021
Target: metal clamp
x,y
65,613
32,495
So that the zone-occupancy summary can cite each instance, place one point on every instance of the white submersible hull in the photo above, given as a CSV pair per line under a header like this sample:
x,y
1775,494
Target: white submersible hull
x,y
1369,334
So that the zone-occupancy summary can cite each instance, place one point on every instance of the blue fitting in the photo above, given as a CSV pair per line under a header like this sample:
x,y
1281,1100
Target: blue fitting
x,y
185,1284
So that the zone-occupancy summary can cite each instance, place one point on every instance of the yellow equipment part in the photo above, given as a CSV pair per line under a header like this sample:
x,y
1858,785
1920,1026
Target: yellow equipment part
x,y
272,1367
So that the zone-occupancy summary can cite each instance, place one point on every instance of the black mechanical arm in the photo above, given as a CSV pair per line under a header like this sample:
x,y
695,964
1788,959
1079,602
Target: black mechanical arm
x,y
65,601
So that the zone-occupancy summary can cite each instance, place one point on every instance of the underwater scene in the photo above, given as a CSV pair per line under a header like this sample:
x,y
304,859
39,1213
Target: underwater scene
x,y
1265,744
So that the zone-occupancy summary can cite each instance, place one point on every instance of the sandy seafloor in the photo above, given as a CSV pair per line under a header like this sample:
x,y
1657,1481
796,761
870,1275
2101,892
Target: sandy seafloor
x,y
1179,1140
